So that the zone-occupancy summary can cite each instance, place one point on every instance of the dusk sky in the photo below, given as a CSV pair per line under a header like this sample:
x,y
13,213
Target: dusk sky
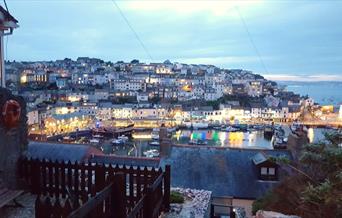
x,y
295,39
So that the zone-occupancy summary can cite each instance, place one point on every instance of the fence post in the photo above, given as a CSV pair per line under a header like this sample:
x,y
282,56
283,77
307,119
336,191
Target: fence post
x,y
148,207
100,177
35,177
99,184
118,195
167,187
212,211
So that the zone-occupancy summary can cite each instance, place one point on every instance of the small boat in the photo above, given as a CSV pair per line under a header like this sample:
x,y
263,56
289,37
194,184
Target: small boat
x,y
68,139
241,127
118,142
173,129
279,143
217,127
94,141
151,153
199,125
123,138
110,132
230,129
198,142
279,132
258,127
154,143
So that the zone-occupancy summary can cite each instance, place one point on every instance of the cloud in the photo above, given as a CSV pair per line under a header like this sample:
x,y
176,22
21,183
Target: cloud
x,y
220,61
189,7
302,37
304,78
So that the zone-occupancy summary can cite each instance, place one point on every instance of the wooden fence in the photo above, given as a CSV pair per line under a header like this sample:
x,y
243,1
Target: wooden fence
x,y
144,192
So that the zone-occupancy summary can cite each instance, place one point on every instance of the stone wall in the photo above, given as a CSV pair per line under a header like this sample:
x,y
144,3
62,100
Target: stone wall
x,y
13,141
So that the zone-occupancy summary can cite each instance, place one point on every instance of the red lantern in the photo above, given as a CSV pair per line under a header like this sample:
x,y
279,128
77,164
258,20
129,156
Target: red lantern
x,y
11,113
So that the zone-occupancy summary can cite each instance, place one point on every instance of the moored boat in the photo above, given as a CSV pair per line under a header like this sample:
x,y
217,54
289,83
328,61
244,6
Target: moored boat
x,y
268,132
151,153
154,143
110,132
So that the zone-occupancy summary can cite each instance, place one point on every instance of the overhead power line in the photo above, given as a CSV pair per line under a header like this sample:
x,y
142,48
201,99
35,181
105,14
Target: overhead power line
x,y
6,6
132,29
251,39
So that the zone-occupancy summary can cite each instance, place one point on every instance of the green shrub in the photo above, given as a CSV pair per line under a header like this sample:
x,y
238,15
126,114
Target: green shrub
x,y
176,197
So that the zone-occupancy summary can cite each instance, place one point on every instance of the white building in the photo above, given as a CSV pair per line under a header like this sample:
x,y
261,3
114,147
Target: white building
x,y
125,85
77,96
122,111
149,113
254,88
32,117
142,96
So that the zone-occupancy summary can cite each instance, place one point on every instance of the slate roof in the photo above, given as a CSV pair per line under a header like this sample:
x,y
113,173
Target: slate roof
x,y
61,152
225,172
134,161
259,158
7,15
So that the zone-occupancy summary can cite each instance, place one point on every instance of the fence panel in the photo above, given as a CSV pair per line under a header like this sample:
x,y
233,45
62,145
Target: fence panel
x,y
79,183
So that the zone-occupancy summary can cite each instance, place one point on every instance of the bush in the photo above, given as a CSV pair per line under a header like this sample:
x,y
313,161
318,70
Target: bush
x,y
176,197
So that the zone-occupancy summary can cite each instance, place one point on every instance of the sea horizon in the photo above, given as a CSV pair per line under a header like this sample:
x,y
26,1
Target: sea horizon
x,y
323,92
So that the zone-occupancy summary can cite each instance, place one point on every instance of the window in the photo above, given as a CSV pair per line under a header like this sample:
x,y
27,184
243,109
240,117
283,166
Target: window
x,y
268,173
271,171
263,170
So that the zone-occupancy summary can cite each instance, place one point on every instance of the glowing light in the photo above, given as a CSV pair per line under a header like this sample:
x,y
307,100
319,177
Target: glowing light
x,y
203,136
141,136
223,138
23,79
327,109
215,136
311,135
236,138
178,134
187,88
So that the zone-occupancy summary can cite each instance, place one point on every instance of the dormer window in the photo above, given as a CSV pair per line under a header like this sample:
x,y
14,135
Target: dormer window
x,y
266,169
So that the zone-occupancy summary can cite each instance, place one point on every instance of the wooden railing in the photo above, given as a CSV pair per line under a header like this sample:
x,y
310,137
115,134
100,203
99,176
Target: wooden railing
x,y
143,193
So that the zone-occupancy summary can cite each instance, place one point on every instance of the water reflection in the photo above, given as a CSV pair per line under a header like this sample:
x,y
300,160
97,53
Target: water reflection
x,y
311,135
253,139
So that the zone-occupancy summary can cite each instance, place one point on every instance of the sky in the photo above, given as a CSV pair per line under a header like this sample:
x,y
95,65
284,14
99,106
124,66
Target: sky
x,y
282,40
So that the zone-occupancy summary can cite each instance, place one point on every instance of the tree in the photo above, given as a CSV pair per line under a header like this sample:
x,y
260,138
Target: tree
x,y
214,104
135,61
314,188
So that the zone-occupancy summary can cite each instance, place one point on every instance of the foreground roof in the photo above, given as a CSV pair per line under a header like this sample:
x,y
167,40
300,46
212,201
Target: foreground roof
x,y
61,152
225,172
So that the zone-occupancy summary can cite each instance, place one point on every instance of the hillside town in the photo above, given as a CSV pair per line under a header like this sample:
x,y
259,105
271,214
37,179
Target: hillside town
x,y
70,94
94,138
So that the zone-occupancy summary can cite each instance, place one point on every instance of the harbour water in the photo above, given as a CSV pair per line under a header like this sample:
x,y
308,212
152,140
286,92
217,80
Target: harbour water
x,y
141,142
322,92
253,139
244,140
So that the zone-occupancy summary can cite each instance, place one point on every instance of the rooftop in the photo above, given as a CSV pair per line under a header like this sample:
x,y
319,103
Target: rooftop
x,y
225,172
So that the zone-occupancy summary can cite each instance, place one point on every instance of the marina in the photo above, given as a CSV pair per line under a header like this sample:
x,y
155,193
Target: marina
x,y
145,143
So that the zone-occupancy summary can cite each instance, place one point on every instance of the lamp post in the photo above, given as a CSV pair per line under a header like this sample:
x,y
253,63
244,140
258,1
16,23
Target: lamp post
x,y
7,24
